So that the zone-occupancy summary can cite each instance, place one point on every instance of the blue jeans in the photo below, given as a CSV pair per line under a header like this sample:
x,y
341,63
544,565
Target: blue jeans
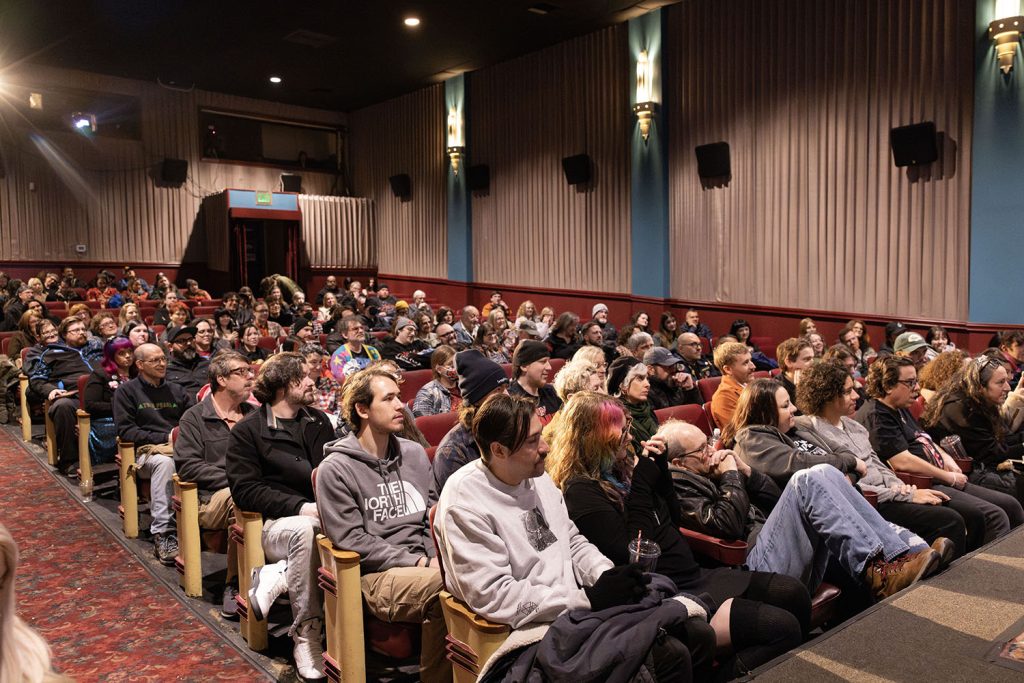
x,y
820,515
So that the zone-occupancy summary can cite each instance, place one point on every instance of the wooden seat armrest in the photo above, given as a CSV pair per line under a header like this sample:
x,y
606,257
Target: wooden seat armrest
x,y
965,464
919,480
732,553
871,497
458,609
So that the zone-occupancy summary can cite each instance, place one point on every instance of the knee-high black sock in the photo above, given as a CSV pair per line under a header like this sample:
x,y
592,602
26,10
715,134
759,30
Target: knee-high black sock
x,y
760,632
783,592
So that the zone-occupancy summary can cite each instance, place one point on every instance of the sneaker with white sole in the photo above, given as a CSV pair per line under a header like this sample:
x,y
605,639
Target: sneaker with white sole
x,y
268,583
228,607
309,654
165,547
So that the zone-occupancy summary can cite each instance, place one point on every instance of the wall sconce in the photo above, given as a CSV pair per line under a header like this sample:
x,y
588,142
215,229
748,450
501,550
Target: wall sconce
x,y
645,107
1005,32
456,149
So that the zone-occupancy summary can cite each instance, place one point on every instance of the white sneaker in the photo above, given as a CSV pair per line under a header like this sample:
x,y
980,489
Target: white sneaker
x,y
268,583
309,654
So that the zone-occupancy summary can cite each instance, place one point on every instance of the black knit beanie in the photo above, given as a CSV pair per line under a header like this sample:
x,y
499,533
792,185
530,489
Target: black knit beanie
x,y
478,376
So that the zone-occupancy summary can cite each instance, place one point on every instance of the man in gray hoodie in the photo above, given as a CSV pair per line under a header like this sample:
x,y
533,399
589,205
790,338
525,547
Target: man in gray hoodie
x,y
373,493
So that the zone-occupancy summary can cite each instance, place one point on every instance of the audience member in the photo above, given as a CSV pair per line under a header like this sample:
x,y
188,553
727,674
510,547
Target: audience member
x,y
466,328
186,367
597,357
892,330
938,340
54,377
629,382
817,344
494,302
695,363
795,355
15,308
807,327
671,385
1011,343
478,379
668,331
639,343
913,346
695,326
330,287
530,369
599,314
24,338
128,313
733,360
488,343
146,410
365,511
408,352
194,293
199,451
444,316
901,443
353,355
249,344
162,315
439,395
795,530
261,319
938,371
270,458
562,337
114,370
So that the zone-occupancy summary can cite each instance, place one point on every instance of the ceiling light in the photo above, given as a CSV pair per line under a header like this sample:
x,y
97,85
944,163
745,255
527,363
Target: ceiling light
x,y
411,21
275,79
35,100
83,122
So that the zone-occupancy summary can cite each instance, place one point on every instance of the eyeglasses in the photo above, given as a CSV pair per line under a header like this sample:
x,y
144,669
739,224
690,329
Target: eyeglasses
x,y
706,448
909,383
162,360
186,341
243,371
696,343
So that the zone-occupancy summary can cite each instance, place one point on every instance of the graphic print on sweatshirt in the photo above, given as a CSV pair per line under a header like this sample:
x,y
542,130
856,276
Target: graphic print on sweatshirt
x,y
537,530
394,499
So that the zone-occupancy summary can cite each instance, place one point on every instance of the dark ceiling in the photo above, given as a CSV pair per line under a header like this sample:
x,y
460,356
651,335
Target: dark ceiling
x,y
361,52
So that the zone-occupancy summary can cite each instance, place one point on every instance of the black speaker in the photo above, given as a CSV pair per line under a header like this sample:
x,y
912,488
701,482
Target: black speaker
x,y
401,185
478,178
577,169
174,171
914,145
713,160
291,182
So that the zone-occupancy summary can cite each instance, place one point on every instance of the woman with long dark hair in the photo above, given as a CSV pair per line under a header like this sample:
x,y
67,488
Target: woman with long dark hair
x,y
668,331
613,496
115,369
968,406
248,344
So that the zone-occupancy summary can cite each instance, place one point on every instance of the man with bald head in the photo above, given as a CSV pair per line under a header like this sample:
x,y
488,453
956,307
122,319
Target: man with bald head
x,y
146,409
465,328
697,364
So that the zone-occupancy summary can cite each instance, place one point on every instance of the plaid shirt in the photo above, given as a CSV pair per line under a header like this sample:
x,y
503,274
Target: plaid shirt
x,y
328,392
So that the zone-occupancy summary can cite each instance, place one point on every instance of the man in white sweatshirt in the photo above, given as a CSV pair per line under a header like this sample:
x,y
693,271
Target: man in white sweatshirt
x,y
511,552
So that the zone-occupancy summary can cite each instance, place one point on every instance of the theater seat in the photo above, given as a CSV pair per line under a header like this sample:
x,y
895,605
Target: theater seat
x,y
471,640
247,536
556,365
412,382
917,408
434,427
693,414
824,602
708,386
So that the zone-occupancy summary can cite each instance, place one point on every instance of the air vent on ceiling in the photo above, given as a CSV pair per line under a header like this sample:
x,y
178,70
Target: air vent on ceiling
x,y
541,8
310,38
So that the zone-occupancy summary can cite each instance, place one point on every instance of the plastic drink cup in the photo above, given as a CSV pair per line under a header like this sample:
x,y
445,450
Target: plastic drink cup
x,y
645,553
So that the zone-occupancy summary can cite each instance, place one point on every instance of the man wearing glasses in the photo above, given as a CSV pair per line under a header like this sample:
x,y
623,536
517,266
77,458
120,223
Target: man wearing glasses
x,y
202,442
186,367
55,377
697,365
146,409
353,355
446,335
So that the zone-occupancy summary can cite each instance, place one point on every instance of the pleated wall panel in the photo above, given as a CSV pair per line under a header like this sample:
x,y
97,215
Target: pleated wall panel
x,y
339,231
816,214
101,192
527,114
405,135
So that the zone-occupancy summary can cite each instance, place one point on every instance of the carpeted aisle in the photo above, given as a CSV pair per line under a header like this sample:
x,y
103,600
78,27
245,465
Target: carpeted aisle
x,y
105,616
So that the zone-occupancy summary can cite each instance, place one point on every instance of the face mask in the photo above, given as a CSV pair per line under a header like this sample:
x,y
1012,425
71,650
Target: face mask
x,y
451,375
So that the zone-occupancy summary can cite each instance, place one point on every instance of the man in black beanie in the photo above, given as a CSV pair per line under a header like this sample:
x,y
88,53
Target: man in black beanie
x,y
530,368
479,377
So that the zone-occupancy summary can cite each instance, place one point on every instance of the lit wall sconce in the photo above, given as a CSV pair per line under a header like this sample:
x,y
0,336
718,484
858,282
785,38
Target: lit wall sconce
x,y
456,149
1005,32
645,107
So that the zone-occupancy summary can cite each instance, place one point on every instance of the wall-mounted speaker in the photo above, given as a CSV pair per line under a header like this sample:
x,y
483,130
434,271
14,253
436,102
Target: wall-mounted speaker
x,y
914,145
173,171
401,185
291,182
713,160
478,178
577,169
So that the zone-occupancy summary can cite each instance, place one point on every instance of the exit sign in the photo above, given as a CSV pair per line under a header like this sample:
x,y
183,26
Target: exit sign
x,y
265,198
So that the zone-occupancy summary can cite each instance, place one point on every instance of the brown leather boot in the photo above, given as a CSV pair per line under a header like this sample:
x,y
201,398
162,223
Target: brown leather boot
x,y
888,578
945,548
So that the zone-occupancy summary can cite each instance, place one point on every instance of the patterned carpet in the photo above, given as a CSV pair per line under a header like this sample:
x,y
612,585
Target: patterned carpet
x,y
105,617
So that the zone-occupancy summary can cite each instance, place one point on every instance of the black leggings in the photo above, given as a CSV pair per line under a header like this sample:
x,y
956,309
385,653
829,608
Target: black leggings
x,y
772,617
685,653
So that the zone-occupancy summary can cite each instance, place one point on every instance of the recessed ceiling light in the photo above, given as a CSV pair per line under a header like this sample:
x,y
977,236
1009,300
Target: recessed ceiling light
x,y
411,21
275,79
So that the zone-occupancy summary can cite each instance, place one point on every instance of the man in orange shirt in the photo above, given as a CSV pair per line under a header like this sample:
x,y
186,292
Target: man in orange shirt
x,y
733,359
